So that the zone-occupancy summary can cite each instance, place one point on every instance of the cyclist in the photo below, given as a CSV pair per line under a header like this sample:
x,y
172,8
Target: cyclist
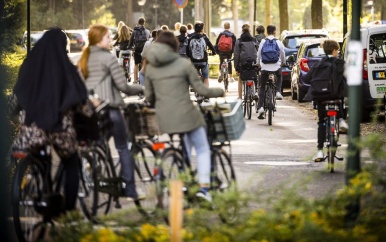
x,y
105,77
123,41
266,67
331,49
168,76
138,39
245,54
48,89
226,52
196,49
260,34
183,41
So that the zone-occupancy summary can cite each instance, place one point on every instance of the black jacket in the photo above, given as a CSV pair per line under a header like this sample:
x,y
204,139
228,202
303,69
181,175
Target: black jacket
x,y
340,80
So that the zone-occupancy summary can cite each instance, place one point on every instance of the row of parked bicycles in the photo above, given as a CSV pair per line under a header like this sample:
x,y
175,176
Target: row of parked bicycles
x,y
37,184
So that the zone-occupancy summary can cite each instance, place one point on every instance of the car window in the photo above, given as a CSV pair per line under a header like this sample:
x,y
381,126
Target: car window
x,y
377,48
315,52
293,42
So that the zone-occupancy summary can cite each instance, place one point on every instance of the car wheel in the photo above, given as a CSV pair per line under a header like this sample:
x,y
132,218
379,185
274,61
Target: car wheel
x,y
293,93
300,94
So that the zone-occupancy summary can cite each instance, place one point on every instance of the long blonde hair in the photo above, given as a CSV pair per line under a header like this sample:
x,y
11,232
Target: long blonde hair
x,y
124,34
95,35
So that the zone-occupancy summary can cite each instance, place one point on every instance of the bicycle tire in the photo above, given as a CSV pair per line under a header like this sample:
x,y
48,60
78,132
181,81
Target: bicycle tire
x,y
27,187
226,81
145,158
95,166
270,108
249,102
169,168
331,149
223,179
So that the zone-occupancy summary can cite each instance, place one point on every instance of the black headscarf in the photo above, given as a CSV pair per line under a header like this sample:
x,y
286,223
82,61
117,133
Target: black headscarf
x,y
48,83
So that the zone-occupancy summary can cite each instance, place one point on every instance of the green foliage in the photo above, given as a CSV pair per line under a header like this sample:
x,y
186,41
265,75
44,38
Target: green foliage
x,y
11,62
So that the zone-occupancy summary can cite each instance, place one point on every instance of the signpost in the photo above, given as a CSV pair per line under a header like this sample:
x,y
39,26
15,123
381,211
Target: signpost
x,y
180,4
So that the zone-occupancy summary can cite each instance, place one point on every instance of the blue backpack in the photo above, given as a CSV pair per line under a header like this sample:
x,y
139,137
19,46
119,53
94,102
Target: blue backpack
x,y
270,52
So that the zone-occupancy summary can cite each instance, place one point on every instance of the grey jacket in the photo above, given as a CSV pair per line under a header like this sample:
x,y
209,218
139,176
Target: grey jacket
x,y
106,77
167,81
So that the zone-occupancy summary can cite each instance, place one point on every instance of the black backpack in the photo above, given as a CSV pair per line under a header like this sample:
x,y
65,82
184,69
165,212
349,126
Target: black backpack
x,y
140,39
323,83
182,47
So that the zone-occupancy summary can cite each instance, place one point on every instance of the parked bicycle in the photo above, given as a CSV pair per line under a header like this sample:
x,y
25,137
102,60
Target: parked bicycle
x,y
332,131
225,73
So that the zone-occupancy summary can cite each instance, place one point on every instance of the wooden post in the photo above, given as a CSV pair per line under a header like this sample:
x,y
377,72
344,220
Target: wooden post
x,y
175,212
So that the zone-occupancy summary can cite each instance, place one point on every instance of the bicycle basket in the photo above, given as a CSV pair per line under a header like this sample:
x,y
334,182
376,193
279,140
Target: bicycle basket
x,y
225,126
246,74
142,120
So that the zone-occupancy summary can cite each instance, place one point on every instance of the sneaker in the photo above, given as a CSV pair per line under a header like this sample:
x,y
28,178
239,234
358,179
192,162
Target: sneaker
x,y
343,127
319,156
204,194
220,79
260,113
279,96
255,96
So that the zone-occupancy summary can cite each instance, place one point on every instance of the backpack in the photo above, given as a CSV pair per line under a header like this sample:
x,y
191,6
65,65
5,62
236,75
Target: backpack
x,y
323,80
140,39
270,52
225,43
182,48
197,48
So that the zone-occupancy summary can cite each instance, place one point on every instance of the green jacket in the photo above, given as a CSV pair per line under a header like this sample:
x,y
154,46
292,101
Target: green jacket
x,y
167,80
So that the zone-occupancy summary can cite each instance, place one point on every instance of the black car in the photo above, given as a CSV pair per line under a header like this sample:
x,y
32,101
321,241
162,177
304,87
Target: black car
x,y
78,39
291,40
309,54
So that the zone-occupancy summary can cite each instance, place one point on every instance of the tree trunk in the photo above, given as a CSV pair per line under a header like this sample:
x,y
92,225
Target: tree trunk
x,y
283,9
317,14
267,12
235,17
251,14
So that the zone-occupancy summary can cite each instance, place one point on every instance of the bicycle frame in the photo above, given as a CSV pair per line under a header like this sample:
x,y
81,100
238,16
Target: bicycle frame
x,y
270,97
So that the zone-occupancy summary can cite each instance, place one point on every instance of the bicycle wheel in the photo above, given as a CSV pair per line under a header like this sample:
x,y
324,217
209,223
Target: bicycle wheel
x,y
95,166
223,179
226,81
270,107
27,189
249,102
169,168
332,146
144,181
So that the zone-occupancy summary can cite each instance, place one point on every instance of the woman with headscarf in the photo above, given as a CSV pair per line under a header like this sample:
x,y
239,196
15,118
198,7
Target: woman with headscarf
x,y
105,77
48,89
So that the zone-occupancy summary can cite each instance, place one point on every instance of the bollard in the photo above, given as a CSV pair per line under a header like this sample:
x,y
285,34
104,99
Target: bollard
x,y
175,211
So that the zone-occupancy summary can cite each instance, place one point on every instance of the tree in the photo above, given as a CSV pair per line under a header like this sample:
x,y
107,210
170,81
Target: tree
x,y
283,12
317,14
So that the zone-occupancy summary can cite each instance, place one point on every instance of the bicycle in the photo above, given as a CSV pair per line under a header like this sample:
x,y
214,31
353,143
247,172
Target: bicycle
x,y
249,77
174,163
225,72
270,96
37,194
332,131
126,57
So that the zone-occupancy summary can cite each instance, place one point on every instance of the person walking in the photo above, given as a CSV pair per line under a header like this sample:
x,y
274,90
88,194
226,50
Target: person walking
x,y
331,60
105,77
245,53
196,50
168,76
268,65
49,90
224,46
138,39
177,27
183,41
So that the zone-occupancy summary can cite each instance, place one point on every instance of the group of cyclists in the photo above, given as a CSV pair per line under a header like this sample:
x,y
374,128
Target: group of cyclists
x,y
163,60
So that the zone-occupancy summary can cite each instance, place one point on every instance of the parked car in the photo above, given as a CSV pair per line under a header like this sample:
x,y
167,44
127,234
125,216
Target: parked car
x,y
292,39
374,68
308,55
78,39
35,36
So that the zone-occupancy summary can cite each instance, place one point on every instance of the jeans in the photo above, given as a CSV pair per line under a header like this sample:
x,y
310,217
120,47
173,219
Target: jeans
x,y
197,138
263,80
120,135
71,184
141,78
204,71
